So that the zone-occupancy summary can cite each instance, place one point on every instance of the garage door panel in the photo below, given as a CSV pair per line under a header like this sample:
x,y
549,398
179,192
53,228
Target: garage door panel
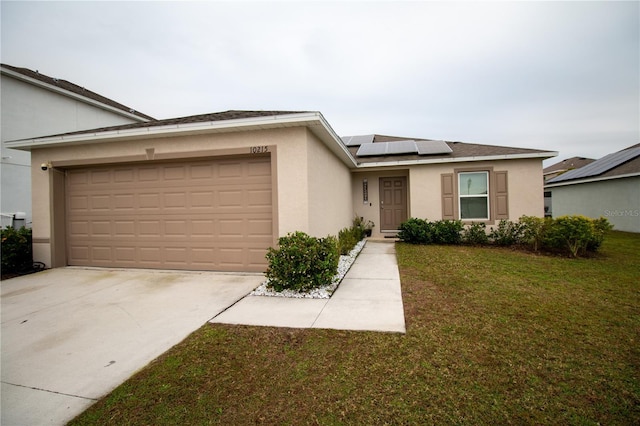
x,y
78,203
211,215
97,177
101,253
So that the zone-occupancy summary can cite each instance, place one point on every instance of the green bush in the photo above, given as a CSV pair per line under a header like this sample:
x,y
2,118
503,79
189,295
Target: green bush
x,y
447,232
349,237
507,233
576,235
302,262
17,254
416,231
420,231
533,230
475,234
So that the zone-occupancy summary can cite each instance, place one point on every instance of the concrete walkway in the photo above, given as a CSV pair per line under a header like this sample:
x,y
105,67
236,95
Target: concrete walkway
x,y
369,298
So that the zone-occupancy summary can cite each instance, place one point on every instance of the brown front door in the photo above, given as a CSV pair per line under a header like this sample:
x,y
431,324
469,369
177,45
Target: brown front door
x,y
393,202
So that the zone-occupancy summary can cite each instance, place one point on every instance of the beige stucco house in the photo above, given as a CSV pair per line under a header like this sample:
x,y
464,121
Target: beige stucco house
x,y
214,191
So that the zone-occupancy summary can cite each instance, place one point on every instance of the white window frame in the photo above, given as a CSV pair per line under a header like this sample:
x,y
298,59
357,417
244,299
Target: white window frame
x,y
485,196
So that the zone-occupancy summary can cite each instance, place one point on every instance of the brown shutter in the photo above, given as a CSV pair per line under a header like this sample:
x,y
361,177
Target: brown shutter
x,y
448,196
501,196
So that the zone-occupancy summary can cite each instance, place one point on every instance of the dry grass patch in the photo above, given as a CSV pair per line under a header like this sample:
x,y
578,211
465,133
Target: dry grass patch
x,y
494,336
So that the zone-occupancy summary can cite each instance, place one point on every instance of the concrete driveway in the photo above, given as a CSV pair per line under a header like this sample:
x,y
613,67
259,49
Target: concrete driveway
x,y
71,335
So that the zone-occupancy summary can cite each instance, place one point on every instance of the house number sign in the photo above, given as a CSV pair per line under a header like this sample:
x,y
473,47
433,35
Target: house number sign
x,y
258,149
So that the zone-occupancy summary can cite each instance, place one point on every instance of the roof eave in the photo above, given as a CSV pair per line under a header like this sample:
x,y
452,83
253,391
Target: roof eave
x,y
313,120
73,95
441,160
589,180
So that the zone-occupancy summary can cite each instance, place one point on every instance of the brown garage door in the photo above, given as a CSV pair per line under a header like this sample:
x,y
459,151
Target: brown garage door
x,y
198,215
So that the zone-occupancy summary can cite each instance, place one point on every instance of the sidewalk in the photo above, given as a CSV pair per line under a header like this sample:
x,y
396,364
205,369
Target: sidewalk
x,y
368,298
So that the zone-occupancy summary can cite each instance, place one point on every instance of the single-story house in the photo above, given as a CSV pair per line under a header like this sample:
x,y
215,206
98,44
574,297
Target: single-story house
x,y
608,187
214,191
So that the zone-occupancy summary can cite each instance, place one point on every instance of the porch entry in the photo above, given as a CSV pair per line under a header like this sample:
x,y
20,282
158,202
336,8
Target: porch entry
x,y
393,202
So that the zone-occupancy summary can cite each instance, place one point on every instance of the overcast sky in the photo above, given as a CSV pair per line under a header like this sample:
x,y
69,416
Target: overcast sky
x,y
560,76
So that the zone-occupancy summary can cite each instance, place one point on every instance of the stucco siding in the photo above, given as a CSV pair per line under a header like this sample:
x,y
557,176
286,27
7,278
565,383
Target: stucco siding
x,y
617,199
525,188
329,193
370,211
289,149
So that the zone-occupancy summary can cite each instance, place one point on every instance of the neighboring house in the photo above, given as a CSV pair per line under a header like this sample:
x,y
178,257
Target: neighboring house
x,y
214,191
564,166
558,169
34,105
608,187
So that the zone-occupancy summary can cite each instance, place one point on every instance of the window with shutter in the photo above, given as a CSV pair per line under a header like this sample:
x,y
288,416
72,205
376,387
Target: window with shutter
x,y
475,194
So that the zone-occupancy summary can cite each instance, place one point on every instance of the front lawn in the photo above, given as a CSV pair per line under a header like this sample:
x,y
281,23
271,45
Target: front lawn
x,y
494,336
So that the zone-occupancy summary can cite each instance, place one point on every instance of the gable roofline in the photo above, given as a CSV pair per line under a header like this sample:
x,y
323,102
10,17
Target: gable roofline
x,y
73,91
441,160
191,125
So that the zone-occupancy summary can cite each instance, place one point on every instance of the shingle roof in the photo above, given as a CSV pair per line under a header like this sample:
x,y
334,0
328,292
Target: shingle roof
x,y
458,150
626,161
568,164
201,118
74,88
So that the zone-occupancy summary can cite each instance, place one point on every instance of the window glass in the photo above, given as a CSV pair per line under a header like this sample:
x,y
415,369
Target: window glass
x,y
473,183
473,193
473,208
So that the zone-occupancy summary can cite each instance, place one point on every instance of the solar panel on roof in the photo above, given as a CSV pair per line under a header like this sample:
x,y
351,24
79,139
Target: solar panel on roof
x,y
357,140
600,166
404,147
401,147
433,147
371,149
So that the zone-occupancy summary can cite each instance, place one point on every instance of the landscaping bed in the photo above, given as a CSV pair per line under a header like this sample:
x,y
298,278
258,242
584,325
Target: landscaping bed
x,y
323,292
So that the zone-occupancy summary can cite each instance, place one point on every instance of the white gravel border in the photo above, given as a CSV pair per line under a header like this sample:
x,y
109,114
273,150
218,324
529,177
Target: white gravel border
x,y
321,292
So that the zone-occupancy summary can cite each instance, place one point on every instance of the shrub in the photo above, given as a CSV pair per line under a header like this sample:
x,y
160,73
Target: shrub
x,y
420,231
506,234
447,232
533,230
475,234
347,239
17,254
575,235
416,231
302,262
600,228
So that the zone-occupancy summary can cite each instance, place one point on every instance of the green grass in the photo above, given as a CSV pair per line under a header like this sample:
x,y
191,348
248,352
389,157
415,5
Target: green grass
x,y
494,336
